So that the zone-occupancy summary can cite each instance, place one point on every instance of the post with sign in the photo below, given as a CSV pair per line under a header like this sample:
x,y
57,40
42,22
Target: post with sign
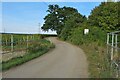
x,y
86,31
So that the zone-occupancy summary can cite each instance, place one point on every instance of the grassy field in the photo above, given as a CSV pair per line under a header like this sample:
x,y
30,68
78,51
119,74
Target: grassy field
x,y
20,41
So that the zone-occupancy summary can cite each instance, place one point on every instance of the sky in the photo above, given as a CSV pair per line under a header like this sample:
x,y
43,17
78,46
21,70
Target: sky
x,y
25,17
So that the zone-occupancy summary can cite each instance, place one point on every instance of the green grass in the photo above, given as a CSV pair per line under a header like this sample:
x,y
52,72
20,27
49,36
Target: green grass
x,y
38,50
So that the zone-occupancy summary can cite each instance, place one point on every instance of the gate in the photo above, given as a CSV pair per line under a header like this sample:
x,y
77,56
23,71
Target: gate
x,y
113,51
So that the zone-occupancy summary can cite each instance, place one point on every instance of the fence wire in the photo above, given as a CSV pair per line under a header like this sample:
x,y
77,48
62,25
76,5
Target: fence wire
x,y
15,45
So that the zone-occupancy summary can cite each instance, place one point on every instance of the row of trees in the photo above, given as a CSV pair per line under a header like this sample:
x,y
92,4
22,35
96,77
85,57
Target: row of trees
x,y
64,20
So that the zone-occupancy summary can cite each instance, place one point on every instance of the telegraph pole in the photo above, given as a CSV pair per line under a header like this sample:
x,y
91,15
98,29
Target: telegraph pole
x,y
3,29
39,29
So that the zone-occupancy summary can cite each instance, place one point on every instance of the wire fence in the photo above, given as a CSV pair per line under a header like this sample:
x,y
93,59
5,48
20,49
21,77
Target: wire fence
x,y
113,50
15,45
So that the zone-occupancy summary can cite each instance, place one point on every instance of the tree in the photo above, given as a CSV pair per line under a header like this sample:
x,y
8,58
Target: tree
x,y
51,20
105,16
74,21
56,18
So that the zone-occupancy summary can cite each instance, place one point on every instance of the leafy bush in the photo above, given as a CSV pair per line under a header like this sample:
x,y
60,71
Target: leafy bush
x,y
39,45
78,37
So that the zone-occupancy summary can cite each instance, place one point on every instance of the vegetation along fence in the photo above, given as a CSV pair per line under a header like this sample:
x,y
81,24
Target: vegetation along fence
x,y
15,45
113,49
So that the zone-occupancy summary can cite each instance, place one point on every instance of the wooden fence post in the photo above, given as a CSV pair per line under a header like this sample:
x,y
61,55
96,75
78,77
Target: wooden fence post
x,y
116,36
27,43
6,42
108,38
12,42
112,50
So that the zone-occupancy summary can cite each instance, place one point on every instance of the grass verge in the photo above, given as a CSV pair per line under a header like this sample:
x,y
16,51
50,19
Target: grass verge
x,y
35,51
99,65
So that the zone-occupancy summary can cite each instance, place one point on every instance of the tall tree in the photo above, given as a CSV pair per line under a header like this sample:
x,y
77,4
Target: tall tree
x,y
56,18
51,20
105,16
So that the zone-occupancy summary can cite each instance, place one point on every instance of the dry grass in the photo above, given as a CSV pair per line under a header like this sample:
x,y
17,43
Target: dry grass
x,y
98,60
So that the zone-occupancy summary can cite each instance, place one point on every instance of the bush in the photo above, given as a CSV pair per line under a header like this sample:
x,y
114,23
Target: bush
x,y
95,35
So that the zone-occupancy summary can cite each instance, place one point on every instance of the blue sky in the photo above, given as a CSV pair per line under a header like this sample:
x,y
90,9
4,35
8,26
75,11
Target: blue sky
x,y
24,17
